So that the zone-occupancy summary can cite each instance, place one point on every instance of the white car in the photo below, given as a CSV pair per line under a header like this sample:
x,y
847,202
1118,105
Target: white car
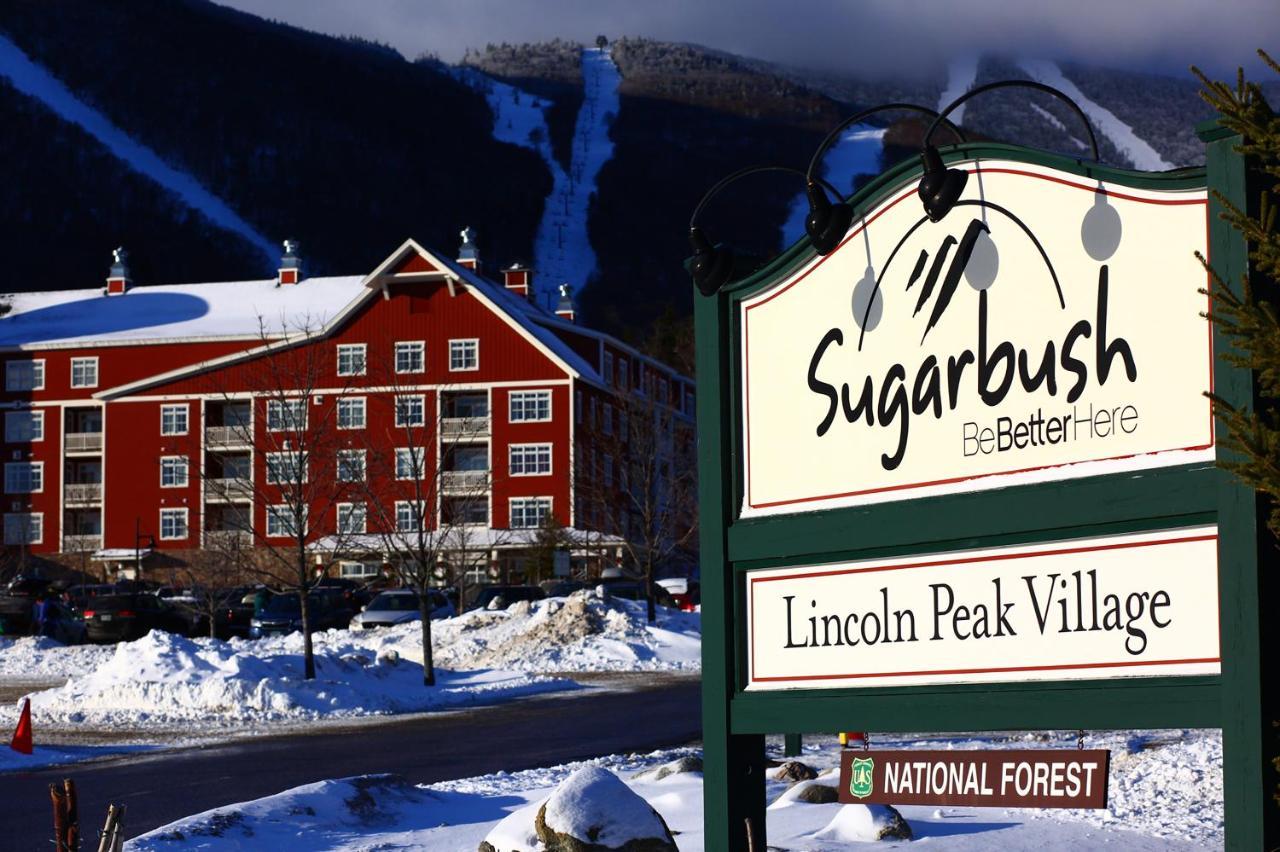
x,y
400,607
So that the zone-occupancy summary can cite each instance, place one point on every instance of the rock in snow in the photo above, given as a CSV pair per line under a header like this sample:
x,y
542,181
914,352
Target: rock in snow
x,y
593,809
860,823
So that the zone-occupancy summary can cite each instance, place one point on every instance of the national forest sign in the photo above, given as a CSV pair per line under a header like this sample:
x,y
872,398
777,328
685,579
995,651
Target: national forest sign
x,y
1095,608
1049,327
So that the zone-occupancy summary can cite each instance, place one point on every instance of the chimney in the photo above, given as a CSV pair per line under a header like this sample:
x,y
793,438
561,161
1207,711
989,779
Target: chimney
x,y
565,309
518,279
469,252
118,280
290,271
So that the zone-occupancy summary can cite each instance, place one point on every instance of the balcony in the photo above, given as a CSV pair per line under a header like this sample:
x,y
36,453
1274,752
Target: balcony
x,y
81,543
227,437
83,492
233,490
464,428
228,538
83,442
467,481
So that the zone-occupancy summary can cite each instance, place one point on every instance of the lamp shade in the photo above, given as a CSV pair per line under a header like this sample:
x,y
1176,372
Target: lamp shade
x,y
940,187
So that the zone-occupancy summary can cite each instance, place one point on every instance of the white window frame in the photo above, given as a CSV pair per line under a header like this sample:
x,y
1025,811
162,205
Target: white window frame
x,y
408,505
27,519
461,344
276,412
272,459
282,514
409,347
179,410
406,454
35,477
524,504
357,359
31,421
173,513
179,465
357,402
15,378
345,457
521,456
422,407
360,510
519,402
83,365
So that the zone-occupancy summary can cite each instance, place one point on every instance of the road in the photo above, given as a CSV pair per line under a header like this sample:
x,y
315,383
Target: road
x,y
159,788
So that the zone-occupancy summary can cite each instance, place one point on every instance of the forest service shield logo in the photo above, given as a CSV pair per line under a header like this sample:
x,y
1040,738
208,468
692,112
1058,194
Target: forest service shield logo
x,y
860,778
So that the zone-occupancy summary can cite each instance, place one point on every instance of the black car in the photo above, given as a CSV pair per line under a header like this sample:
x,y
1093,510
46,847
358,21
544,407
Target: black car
x,y
501,597
120,618
325,611
17,602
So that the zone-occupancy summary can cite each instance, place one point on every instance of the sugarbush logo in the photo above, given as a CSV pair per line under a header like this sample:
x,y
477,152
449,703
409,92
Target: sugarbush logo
x,y
994,366
862,777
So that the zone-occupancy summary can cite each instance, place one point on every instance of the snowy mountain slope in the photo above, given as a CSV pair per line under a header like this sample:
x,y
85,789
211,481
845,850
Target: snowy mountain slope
x,y
857,152
961,75
35,81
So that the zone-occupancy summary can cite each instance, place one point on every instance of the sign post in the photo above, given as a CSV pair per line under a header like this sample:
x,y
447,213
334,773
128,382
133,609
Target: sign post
x,y
961,475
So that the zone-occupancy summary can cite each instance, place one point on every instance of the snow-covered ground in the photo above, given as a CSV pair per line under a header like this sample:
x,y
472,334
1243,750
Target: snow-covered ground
x,y
35,81
481,657
562,247
1166,795
42,756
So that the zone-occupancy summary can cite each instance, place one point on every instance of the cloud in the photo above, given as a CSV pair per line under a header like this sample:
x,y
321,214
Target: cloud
x,y
871,37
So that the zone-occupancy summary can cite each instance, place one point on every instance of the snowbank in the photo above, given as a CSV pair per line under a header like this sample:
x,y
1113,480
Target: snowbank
x,y
38,657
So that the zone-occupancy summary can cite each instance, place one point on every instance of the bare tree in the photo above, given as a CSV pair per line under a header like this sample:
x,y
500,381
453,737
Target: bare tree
x,y
274,432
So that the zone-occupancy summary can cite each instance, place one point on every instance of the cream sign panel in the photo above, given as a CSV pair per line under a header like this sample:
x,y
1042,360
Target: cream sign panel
x,y
1048,327
1123,606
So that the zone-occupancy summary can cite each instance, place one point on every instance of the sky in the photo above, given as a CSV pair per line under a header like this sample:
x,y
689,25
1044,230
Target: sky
x,y
866,37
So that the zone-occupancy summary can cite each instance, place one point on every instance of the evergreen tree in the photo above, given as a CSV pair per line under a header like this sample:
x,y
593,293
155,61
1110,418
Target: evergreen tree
x,y
1248,314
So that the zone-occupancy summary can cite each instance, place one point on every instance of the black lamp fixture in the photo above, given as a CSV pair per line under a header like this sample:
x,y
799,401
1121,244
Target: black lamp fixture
x,y
940,187
712,266
828,222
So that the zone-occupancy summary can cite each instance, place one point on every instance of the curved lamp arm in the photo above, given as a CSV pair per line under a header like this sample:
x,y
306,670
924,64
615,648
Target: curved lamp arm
x,y
1025,84
741,173
858,116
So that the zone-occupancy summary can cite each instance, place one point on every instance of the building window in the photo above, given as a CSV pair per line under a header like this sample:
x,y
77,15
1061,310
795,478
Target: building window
x,y
408,516
624,431
410,411
608,419
351,412
286,468
608,368
173,524
173,472
351,518
607,473
529,512
282,521
173,419
24,375
577,408
351,359
530,459
411,357
357,570
286,415
465,510
530,406
84,372
624,373
23,427
464,354
24,478
351,465
24,528
409,463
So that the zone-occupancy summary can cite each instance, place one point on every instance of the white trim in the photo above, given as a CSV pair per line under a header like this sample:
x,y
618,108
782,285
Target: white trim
x,y
363,454
84,359
186,471
550,406
364,358
285,514
186,417
463,341
186,525
421,520
293,426
300,465
36,414
29,515
409,346
28,464
33,362
551,506
395,407
531,447
422,466
364,518
364,411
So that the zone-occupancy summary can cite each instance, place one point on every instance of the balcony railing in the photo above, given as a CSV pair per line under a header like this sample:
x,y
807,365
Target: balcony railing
x,y
464,480
233,489
81,543
227,538
227,436
83,492
83,442
464,428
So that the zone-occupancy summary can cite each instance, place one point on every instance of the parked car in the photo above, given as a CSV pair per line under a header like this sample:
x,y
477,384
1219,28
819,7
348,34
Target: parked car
x,y
120,618
83,593
326,611
685,593
17,601
501,597
355,593
236,612
400,606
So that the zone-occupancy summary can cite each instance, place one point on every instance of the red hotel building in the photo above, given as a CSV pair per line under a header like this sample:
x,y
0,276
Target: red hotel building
x,y
117,454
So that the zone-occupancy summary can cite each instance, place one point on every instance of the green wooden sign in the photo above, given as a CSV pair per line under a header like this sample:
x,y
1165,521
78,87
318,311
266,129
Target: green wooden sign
x,y
961,475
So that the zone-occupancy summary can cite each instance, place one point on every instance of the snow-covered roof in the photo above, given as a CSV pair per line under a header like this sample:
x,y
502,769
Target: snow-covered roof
x,y
480,538
229,309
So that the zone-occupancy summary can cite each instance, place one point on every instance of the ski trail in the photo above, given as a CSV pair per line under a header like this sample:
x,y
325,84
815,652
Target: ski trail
x,y
1057,125
34,81
1142,155
562,249
856,152
962,73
